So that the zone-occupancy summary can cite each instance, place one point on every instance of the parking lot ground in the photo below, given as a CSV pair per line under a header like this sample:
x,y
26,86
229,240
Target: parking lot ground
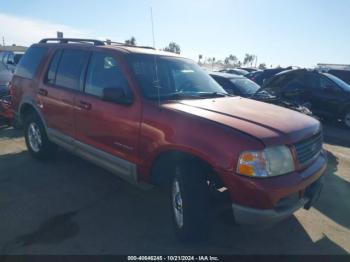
x,y
69,206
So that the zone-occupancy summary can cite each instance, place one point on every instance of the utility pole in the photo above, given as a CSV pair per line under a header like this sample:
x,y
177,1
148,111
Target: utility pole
x,y
256,61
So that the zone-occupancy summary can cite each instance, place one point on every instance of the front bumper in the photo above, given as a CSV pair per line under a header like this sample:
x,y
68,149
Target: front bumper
x,y
265,217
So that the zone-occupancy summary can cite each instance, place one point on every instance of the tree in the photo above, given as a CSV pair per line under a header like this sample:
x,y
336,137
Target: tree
x,y
131,41
248,59
173,47
262,66
231,60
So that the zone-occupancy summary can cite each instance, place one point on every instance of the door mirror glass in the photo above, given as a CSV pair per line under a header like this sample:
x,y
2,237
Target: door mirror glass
x,y
116,95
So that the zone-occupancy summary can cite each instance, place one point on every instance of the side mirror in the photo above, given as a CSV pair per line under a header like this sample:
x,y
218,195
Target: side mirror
x,y
116,95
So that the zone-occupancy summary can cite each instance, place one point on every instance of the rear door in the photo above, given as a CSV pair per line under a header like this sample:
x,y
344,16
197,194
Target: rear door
x,y
57,92
105,126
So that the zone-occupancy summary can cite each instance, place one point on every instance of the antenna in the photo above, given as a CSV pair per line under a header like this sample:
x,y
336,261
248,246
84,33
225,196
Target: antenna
x,y
155,81
154,41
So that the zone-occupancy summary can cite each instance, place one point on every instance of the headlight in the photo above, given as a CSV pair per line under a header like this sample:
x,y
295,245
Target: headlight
x,y
272,161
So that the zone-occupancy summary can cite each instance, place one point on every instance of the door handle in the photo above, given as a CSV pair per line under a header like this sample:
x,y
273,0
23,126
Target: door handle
x,y
42,92
85,105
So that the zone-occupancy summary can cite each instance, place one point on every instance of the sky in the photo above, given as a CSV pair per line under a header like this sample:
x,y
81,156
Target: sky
x,y
280,32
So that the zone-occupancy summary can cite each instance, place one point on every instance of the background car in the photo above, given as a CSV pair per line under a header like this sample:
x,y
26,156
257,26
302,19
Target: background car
x,y
10,58
265,75
342,74
253,75
5,78
249,69
235,71
235,84
242,86
325,94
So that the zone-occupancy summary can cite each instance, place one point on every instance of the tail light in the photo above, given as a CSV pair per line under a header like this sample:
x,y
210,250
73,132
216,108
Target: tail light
x,y
10,89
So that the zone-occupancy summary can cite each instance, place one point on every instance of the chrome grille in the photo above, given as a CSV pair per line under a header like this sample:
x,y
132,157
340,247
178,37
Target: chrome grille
x,y
308,149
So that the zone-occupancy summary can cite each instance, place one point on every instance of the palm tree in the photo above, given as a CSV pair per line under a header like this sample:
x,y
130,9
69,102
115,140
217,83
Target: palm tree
x,y
199,58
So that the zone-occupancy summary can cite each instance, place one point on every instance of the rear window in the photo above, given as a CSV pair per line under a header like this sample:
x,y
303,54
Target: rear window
x,y
28,65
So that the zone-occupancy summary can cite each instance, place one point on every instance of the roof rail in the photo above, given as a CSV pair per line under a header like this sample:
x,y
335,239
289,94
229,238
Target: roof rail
x,y
73,40
89,41
109,42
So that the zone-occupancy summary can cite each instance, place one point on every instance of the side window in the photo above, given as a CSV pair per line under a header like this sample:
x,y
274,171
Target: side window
x,y
296,84
52,71
10,59
313,81
327,84
281,81
4,59
70,68
30,62
104,72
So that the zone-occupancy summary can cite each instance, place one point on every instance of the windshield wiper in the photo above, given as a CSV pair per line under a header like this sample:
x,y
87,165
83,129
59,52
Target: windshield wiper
x,y
214,94
177,95
191,95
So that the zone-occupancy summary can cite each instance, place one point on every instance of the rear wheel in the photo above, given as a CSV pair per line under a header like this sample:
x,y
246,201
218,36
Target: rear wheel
x,y
36,139
190,203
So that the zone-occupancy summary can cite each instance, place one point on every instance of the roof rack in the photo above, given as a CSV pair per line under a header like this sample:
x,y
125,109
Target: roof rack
x,y
109,42
72,40
89,41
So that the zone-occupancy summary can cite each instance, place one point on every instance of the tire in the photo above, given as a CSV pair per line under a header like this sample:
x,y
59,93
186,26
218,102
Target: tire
x,y
36,138
190,203
346,118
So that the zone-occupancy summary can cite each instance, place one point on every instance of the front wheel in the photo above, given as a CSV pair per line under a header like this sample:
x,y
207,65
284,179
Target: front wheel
x,y
36,139
190,203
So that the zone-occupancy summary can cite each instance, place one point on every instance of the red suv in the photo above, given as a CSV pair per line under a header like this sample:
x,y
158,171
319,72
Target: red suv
x,y
155,117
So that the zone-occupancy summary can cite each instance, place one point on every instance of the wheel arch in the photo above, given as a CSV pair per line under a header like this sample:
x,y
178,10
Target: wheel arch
x,y
166,160
28,108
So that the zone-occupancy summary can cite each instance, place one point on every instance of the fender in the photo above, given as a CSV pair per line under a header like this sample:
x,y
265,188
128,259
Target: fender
x,y
29,101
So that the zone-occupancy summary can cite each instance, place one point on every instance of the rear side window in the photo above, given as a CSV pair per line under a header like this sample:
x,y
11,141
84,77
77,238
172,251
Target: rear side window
x,y
226,84
69,69
104,72
30,62
281,81
51,73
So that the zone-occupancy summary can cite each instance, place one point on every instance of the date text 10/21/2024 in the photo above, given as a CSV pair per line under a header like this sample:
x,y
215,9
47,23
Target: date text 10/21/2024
x,y
173,258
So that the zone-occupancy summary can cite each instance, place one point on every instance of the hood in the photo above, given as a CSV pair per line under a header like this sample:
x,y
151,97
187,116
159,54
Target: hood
x,y
273,125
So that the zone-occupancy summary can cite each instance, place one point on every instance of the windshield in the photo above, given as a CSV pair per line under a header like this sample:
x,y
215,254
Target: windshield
x,y
339,82
245,86
171,77
17,58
